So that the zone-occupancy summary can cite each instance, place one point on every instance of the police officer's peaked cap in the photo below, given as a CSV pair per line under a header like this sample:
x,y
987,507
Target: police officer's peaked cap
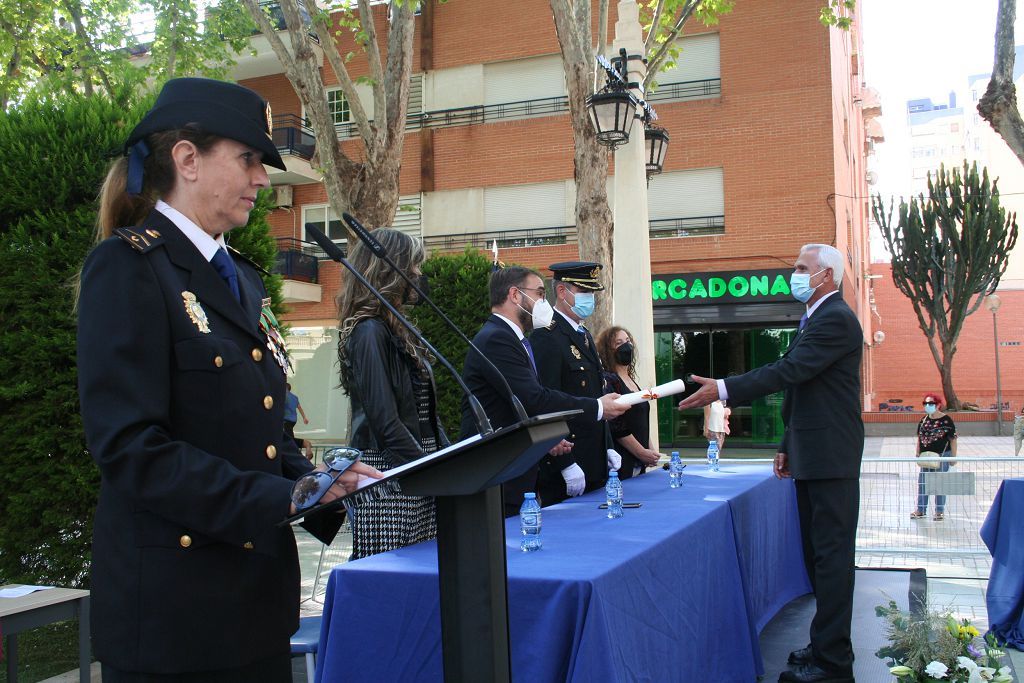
x,y
583,274
217,107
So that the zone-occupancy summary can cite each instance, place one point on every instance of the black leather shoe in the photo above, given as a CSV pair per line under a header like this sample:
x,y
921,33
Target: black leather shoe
x,y
802,656
812,673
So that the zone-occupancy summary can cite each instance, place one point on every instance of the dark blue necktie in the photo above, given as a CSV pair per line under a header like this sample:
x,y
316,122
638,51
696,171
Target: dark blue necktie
x,y
529,352
226,269
803,321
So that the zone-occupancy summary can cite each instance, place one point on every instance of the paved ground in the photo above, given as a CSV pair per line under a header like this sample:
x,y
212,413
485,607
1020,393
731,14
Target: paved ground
x,y
952,577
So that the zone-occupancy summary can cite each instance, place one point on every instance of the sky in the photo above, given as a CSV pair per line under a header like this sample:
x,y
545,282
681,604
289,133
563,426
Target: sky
x,y
922,48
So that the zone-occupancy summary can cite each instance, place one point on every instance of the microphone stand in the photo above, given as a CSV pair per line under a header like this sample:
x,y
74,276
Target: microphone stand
x,y
332,250
378,249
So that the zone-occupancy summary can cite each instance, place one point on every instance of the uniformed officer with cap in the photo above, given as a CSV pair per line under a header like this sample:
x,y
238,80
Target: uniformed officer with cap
x,y
182,385
567,360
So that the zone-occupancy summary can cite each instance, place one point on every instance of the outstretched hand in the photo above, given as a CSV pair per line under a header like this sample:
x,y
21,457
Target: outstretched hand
x,y
708,393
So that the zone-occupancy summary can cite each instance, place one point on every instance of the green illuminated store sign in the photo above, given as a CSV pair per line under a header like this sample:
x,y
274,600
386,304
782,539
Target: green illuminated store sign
x,y
723,287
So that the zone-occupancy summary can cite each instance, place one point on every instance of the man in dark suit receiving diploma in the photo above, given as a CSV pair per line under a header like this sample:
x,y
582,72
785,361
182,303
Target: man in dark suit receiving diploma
x,y
821,450
517,306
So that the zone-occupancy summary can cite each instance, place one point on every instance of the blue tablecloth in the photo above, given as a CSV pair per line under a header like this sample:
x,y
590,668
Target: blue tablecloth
x,y
676,590
1002,534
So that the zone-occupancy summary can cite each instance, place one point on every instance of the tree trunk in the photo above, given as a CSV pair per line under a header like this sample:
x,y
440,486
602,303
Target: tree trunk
x,y
999,104
946,370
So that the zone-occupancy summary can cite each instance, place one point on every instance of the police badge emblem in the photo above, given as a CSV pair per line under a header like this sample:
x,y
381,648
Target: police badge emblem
x,y
195,312
575,352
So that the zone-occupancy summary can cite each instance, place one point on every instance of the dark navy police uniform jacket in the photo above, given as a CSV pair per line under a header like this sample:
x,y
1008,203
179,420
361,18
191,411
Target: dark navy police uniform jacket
x,y
183,411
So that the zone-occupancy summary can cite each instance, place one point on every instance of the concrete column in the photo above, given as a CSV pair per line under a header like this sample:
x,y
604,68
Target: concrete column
x,y
632,306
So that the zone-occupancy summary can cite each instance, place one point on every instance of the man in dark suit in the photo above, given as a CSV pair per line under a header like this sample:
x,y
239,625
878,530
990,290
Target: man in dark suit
x,y
821,449
517,301
567,360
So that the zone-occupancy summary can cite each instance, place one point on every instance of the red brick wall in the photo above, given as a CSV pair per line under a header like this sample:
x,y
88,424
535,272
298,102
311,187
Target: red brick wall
x,y
773,131
902,365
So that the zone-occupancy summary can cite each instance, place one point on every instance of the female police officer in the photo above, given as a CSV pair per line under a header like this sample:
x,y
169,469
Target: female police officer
x,y
182,385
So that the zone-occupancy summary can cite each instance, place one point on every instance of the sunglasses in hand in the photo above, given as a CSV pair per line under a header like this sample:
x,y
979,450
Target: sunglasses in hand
x,y
311,487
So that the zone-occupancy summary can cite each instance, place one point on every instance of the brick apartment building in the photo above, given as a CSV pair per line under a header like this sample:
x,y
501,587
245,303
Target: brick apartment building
x,y
768,151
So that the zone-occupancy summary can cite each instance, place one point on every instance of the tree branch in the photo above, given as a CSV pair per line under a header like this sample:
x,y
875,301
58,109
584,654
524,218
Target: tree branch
x,y
652,33
348,87
655,63
999,104
372,47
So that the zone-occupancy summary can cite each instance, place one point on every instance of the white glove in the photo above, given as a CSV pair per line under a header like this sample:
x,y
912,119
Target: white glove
x,y
614,459
575,482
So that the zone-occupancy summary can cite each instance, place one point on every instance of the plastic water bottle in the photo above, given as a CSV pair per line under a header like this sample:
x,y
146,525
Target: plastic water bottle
x,y
675,471
713,455
613,493
529,523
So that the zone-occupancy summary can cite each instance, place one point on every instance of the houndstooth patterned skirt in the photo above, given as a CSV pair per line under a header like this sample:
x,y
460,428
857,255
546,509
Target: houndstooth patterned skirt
x,y
388,519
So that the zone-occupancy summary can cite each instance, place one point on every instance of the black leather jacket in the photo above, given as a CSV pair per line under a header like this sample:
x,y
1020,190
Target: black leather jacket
x,y
385,416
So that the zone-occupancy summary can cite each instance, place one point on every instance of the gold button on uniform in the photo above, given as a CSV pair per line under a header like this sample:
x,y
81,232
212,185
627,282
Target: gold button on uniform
x,y
268,402
185,540
218,361
271,452
257,355
248,545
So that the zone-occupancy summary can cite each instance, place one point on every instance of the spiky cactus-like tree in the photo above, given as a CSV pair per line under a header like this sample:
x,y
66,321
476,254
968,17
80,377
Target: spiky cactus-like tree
x,y
948,251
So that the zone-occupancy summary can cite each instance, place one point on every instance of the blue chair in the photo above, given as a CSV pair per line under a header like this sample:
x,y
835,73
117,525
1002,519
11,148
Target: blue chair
x,y
305,642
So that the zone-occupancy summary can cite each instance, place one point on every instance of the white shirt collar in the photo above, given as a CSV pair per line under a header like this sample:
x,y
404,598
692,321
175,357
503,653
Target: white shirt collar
x,y
812,309
206,245
515,327
575,325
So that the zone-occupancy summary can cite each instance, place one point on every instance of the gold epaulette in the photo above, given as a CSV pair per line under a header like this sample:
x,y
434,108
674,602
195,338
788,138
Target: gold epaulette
x,y
140,239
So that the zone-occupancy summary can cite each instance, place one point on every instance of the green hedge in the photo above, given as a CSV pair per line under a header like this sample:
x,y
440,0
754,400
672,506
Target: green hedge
x,y
458,284
55,155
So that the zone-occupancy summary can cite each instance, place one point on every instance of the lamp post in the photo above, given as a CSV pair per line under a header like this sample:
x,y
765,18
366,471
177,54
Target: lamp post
x,y
631,302
992,303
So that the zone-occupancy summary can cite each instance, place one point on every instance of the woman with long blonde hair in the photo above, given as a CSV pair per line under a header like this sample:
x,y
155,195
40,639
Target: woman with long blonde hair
x,y
388,377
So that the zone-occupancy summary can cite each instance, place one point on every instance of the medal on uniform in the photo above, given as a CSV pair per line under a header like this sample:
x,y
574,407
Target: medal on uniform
x,y
575,352
195,312
275,342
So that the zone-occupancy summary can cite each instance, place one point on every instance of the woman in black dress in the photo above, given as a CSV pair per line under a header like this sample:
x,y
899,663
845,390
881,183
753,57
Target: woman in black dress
x,y
631,431
387,376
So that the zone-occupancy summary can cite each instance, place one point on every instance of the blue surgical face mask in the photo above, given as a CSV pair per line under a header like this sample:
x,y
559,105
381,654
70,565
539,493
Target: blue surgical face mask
x,y
930,409
584,306
800,286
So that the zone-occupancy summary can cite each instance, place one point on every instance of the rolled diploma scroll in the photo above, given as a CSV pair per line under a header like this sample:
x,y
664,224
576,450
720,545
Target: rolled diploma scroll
x,y
676,386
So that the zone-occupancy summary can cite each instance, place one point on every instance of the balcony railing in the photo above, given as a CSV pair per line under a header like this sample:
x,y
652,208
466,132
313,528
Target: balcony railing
x,y
298,260
293,137
507,239
694,226
465,116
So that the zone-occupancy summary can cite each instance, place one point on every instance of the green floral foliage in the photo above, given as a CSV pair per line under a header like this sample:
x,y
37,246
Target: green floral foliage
x,y
55,156
931,647
458,284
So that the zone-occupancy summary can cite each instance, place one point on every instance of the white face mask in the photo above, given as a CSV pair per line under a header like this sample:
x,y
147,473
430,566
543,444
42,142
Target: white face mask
x,y
542,313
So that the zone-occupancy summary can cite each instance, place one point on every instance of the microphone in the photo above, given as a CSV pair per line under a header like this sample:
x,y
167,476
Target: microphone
x,y
381,252
332,250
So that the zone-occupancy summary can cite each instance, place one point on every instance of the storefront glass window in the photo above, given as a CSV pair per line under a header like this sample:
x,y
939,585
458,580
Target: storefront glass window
x,y
719,353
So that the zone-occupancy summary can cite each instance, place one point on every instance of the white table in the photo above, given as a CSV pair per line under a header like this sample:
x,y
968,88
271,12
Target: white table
x,y
39,609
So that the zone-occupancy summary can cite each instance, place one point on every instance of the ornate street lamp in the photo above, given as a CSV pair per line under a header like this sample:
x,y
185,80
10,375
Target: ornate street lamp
x,y
613,108
656,142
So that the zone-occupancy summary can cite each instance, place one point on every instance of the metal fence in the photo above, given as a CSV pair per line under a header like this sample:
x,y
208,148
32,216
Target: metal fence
x,y
889,489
